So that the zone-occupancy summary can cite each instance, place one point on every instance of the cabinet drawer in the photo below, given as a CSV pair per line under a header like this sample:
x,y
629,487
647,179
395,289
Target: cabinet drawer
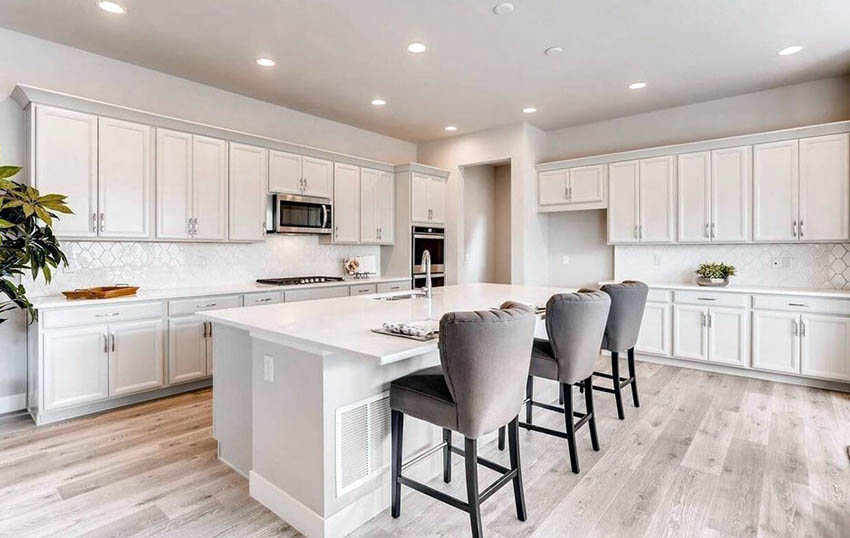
x,y
315,293
70,317
363,289
385,287
271,297
183,307
658,296
711,298
802,304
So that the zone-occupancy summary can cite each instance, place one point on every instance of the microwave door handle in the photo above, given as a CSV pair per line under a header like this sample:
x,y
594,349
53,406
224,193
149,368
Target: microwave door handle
x,y
324,216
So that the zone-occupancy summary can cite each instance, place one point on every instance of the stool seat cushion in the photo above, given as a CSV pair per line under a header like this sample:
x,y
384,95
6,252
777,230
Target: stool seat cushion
x,y
543,361
425,395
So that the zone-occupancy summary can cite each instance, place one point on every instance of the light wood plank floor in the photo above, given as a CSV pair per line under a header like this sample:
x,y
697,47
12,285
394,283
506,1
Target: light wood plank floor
x,y
706,455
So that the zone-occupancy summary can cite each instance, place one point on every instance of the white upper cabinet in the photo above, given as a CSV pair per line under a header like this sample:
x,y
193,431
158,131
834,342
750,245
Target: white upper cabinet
x,y
428,199
346,203
775,191
584,187
248,179
437,200
386,208
318,177
66,163
368,206
209,188
586,184
553,186
824,188
657,192
694,175
285,173
173,184
126,187
623,199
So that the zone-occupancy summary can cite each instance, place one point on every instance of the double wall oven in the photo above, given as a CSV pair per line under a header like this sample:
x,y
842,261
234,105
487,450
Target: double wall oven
x,y
434,241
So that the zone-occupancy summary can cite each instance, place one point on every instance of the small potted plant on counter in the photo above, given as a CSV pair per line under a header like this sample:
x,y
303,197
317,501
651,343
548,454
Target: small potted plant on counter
x,y
714,274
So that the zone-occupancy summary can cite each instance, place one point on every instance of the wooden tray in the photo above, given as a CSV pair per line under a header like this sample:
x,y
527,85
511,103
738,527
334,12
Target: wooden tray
x,y
101,292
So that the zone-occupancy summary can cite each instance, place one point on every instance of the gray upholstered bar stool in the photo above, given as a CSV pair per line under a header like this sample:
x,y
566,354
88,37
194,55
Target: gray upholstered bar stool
x,y
628,300
575,323
477,389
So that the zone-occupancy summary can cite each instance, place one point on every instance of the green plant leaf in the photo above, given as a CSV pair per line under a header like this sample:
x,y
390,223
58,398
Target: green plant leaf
x,y
8,171
6,224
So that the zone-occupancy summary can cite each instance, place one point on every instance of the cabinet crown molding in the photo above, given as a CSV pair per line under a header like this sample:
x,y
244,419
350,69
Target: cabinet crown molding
x,y
422,169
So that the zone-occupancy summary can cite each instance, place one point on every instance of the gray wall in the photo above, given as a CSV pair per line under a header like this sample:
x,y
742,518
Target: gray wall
x,y
581,235
486,224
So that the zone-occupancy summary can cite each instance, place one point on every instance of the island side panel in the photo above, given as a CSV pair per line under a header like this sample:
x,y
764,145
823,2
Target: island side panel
x,y
232,417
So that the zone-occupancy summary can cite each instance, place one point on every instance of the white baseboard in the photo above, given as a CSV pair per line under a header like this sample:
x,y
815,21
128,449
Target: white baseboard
x,y
13,402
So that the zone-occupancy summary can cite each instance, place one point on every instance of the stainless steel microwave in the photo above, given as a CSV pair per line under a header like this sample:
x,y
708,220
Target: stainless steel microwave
x,y
293,214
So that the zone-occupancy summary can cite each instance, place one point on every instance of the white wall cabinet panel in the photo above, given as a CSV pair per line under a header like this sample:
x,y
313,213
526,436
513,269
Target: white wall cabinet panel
x,y
386,208
318,177
187,349
346,203
824,188
553,186
623,202
173,184
730,194
209,181
285,176
136,358
694,178
437,200
368,206
419,208
75,366
729,336
775,191
657,192
125,179
248,179
655,330
776,341
66,163
690,334
586,184
825,346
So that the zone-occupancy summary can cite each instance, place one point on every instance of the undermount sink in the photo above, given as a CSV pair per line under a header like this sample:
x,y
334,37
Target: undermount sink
x,y
401,297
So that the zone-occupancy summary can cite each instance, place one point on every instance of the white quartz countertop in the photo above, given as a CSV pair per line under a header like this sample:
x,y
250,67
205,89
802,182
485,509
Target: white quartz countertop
x,y
59,301
345,324
759,290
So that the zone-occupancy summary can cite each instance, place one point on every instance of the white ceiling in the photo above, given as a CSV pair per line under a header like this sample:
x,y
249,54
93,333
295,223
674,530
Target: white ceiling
x,y
480,70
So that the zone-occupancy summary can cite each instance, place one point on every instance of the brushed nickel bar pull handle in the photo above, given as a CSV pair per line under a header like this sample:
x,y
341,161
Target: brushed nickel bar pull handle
x,y
794,228
113,342
211,326
105,343
798,304
110,315
803,327
713,230
795,327
208,305
706,230
706,299
801,235
205,329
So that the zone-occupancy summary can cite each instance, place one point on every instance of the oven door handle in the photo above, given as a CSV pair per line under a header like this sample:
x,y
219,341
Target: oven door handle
x,y
419,276
429,236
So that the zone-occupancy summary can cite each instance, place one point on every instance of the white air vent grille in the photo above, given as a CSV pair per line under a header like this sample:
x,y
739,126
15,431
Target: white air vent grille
x,y
362,441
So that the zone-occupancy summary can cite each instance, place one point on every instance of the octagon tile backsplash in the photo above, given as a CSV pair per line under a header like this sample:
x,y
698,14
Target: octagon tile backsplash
x,y
824,265
169,265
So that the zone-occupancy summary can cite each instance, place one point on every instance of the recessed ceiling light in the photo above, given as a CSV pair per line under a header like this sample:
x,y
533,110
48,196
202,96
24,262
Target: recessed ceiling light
x,y
416,48
553,51
529,110
788,51
451,128
637,85
265,62
111,7
379,102
503,8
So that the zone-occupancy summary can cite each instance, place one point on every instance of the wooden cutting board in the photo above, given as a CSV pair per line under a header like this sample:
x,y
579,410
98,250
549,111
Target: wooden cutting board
x,y
101,292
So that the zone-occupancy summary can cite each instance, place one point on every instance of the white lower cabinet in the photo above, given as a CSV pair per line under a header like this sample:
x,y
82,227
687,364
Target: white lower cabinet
x,y
187,349
76,362
776,341
690,332
135,357
825,346
655,334
715,334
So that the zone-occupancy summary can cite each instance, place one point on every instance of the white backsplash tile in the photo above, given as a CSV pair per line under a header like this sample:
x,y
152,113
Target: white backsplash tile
x,y
824,265
167,265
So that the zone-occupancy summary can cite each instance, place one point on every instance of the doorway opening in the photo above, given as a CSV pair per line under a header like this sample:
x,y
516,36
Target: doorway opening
x,y
486,223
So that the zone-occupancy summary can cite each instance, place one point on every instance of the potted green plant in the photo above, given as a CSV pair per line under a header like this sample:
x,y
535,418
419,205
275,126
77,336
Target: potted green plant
x,y
27,243
714,274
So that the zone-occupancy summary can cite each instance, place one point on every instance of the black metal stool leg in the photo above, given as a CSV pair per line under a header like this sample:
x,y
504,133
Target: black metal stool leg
x,y
397,435
502,438
471,457
567,393
588,405
529,394
631,356
615,378
519,495
447,455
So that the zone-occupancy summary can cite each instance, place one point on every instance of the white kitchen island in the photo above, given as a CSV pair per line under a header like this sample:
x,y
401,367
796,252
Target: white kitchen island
x,y
300,398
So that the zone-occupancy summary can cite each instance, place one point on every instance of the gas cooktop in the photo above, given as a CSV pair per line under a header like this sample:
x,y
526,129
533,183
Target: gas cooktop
x,y
297,280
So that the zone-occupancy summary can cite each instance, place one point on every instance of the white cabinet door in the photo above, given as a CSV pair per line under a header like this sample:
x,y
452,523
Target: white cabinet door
x,y
173,184
248,170
318,177
368,206
824,188
694,178
552,186
655,328
346,203
75,366
775,191
587,184
209,188
285,173
730,194
623,199
420,210
776,341
125,185
386,208
187,349
689,332
135,357
66,163
825,346
437,200
657,192
729,336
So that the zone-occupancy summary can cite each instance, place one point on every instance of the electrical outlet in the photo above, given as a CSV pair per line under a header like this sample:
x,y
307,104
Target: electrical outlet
x,y
268,368
565,260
